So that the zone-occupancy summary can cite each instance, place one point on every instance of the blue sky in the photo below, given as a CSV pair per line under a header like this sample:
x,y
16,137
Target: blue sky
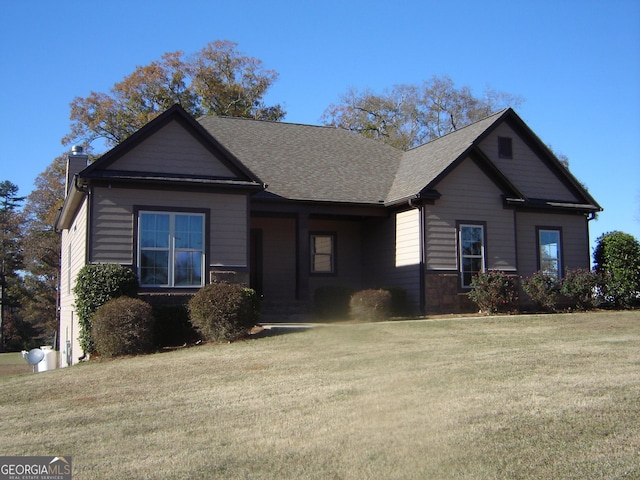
x,y
576,63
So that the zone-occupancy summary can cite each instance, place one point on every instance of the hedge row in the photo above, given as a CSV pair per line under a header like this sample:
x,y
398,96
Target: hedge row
x,y
113,321
496,291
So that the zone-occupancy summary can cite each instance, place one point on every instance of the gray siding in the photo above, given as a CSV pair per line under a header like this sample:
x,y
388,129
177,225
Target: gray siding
x,y
527,172
72,259
172,150
575,242
468,195
112,223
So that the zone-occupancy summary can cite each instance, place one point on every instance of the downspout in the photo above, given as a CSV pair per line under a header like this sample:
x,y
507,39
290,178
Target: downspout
x,y
87,191
421,237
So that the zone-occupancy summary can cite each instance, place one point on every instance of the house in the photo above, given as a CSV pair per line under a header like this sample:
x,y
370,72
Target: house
x,y
289,208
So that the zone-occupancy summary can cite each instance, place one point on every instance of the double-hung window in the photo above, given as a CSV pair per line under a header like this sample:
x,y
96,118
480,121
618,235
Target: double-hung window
x,y
171,249
323,253
549,252
472,256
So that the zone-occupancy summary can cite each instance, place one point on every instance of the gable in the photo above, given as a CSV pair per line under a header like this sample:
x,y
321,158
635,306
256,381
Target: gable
x,y
468,194
423,166
172,150
533,175
173,147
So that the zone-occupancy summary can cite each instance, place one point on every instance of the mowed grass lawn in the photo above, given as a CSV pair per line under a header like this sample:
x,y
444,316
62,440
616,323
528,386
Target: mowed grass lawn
x,y
547,397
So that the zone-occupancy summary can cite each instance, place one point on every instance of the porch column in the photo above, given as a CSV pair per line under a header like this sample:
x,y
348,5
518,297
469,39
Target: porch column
x,y
302,267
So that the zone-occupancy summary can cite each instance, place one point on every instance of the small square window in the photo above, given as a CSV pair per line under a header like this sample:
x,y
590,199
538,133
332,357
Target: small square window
x,y
505,147
323,253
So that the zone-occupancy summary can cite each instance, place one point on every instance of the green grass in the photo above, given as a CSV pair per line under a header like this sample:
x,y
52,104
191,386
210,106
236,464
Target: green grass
x,y
549,396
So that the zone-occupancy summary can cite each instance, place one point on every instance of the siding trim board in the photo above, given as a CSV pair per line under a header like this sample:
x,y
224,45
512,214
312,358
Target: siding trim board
x,y
494,174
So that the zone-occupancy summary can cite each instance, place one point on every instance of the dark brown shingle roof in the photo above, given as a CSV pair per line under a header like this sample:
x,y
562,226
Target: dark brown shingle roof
x,y
422,165
327,164
304,162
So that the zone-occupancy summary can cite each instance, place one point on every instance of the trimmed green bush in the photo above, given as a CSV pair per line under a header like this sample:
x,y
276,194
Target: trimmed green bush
x,y
617,261
543,290
332,301
123,326
578,286
494,292
371,304
224,311
95,286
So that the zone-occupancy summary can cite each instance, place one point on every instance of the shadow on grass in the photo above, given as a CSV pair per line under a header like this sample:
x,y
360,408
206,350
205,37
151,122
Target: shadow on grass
x,y
271,329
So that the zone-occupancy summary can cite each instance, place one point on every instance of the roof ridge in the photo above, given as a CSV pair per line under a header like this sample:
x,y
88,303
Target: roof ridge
x,y
230,117
457,130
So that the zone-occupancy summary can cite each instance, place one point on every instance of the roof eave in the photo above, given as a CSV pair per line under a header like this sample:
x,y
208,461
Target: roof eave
x,y
174,180
540,204
70,206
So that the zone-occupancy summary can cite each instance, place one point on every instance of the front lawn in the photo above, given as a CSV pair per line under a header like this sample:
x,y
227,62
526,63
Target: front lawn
x,y
541,396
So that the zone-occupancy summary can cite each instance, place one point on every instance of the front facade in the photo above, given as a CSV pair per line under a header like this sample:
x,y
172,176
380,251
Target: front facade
x,y
290,208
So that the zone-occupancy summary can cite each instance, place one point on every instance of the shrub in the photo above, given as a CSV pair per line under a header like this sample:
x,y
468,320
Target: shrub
x,y
371,304
493,292
578,286
224,311
617,261
543,290
95,286
332,301
123,326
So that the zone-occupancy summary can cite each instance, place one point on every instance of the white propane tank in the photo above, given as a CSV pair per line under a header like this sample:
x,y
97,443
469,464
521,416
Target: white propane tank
x,y
49,360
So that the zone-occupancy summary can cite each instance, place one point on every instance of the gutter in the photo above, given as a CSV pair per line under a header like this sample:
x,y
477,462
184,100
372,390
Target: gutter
x,y
421,237
71,204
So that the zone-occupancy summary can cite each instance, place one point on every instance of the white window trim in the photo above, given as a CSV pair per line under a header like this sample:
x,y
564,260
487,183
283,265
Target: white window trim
x,y
171,248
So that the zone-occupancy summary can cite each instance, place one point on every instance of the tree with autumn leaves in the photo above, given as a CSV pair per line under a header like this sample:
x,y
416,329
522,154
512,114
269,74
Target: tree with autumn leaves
x,y
217,80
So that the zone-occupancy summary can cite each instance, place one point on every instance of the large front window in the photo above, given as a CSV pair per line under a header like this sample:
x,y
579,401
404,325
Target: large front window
x,y
171,249
471,252
549,253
